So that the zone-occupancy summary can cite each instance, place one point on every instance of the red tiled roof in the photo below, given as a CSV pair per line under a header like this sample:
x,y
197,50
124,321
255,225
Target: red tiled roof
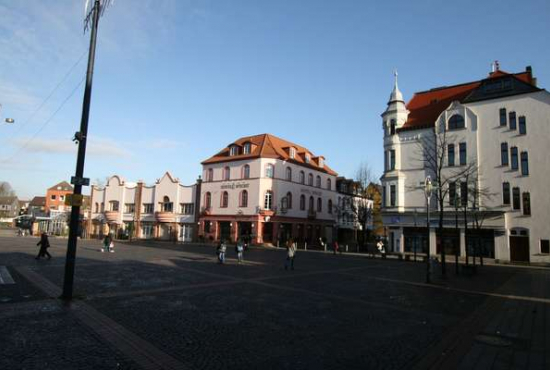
x,y
64,185
269,146
426,106
38,201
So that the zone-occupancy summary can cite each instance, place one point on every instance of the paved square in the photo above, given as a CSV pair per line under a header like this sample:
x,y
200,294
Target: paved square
x,y
168,306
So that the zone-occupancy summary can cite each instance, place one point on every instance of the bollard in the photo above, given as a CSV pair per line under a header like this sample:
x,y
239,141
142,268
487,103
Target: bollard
x,y
305,246
346,248
325,247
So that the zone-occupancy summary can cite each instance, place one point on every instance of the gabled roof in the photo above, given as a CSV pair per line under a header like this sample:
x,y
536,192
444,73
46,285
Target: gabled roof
x,y
426,106
38,202
270,146
64,185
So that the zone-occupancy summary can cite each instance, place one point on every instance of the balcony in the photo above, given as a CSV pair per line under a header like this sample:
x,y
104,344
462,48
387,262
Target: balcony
x,y
111,216
311,214
165,216
205,211
266,212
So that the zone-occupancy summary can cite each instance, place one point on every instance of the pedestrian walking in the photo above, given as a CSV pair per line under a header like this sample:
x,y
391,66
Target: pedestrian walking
x,y
335,247
107,243
380,247
290,253
221,251
44,244
240,249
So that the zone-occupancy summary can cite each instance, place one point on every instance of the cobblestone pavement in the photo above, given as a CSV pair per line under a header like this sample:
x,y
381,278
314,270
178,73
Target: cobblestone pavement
x,y
166,306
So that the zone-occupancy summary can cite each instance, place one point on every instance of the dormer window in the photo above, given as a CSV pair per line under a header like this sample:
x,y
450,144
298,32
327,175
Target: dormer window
x,y
321,162
292,152
456,122
233,150
307,158
247,148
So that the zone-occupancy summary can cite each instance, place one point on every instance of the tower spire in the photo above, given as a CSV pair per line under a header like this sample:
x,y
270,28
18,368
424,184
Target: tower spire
x,y
396,95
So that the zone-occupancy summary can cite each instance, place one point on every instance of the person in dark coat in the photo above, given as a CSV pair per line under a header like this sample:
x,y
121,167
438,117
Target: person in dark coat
x,y
44,244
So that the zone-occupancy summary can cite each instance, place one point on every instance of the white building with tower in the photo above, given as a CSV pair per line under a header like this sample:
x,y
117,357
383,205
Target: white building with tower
x,y
489,140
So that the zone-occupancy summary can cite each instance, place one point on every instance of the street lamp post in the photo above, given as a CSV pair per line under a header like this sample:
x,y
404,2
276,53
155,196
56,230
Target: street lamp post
x,y
428,194
92,20
457,231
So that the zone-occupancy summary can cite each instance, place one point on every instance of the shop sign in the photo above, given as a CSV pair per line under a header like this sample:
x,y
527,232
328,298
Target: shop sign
x,y
235,185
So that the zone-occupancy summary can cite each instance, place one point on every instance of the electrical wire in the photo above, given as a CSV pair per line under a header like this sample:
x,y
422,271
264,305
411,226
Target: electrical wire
x,y
45,123
20,127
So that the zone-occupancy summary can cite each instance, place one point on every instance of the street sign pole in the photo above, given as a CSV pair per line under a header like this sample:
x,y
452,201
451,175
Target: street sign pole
x,y
81,137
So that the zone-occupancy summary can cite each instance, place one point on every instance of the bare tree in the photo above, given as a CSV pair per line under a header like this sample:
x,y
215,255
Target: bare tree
x,y
433,150
356,202
477,197
6,190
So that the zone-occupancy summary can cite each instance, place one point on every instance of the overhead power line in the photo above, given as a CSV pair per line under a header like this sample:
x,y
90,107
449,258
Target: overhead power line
x,y
45,123
20,127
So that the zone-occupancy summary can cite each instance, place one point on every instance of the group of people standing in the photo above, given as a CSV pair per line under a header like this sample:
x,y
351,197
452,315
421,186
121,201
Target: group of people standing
x,y
239,249
241,245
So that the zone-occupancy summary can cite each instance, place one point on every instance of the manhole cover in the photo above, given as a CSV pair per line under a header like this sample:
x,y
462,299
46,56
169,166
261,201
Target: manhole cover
x,y
493,340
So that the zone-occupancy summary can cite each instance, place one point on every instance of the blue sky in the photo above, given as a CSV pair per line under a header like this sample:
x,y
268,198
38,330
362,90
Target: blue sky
x,y
177,80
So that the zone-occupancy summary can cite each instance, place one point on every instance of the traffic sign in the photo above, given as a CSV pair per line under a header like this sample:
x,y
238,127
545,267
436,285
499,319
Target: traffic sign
x,y
82,181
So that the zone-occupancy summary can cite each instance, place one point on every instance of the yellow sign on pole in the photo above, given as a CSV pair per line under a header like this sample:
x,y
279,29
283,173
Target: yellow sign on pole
x,y
74,200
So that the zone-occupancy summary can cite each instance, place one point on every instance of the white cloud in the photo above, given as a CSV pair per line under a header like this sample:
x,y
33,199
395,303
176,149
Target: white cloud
x,y
96,147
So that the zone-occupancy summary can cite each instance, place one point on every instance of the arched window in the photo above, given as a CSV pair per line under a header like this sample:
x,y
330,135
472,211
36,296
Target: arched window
x,y
302,202
289,200
289,174
226,173
330,206
246,172
166,205
210,175
318,181
329,184
224,200
269,171
311,201
208,200
310,179
268,201
302,177
244,199
456,122
392,127
319,205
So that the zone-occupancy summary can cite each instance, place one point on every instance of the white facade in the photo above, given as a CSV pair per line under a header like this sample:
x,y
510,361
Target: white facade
x,y
267,198
487,140
165,210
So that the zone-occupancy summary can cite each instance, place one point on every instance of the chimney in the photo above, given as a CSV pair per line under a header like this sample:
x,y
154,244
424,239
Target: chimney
x,y
529,70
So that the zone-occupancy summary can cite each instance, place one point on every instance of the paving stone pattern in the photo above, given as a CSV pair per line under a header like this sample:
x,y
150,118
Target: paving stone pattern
x,y
173,306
